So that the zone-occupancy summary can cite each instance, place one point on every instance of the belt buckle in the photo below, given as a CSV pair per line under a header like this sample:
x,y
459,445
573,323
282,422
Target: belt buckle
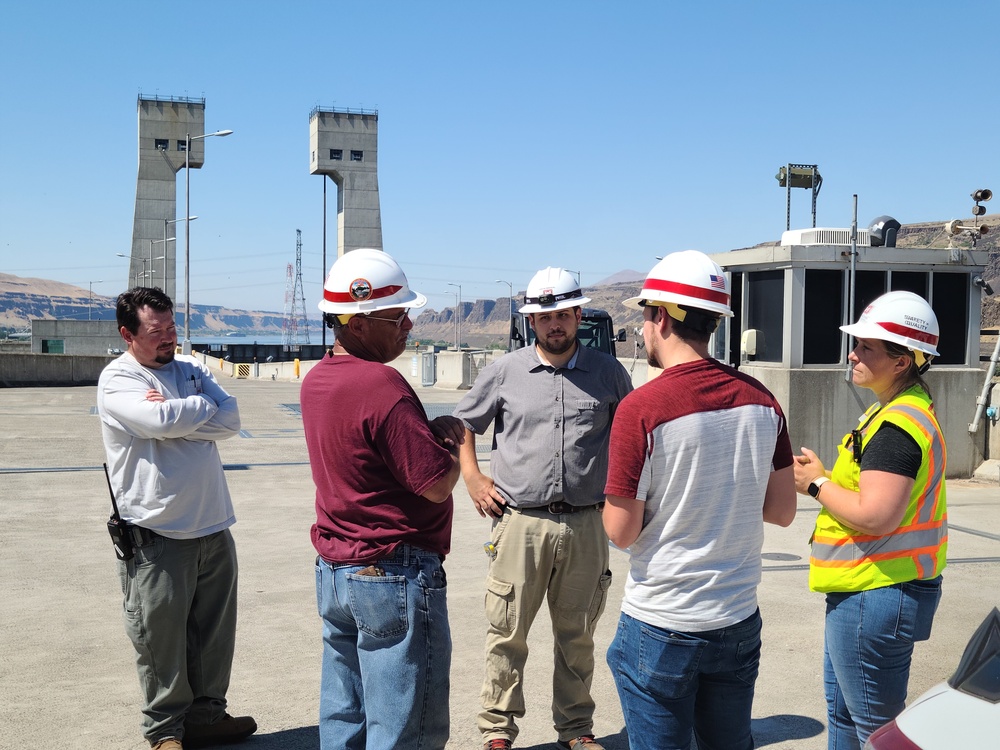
x,y
558,508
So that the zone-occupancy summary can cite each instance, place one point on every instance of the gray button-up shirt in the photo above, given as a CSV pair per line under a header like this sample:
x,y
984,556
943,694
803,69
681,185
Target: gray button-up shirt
x,y
551,425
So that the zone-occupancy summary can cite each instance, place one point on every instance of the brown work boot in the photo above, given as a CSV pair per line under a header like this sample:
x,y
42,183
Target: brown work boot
x,y
225,731
171,743
584,742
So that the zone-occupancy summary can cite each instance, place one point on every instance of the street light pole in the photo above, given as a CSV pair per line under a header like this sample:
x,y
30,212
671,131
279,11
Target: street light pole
x,y
90,295
165,222
510,310
458,318
123,255
186,346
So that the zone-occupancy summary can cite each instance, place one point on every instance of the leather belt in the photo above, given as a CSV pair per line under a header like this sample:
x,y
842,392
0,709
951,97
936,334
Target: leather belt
x,y
561,507
141,535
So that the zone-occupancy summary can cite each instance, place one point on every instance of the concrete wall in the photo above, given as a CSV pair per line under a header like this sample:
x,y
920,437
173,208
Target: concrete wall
x,y
29,370
84,337
821,408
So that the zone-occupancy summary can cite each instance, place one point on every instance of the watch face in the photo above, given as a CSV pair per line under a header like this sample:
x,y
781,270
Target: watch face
x,y
813,489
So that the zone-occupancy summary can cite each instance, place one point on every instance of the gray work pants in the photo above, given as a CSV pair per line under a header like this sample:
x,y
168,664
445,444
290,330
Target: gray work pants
x,y
180,613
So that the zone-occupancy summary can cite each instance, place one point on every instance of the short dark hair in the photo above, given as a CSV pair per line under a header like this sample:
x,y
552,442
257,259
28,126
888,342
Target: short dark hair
x,y
130,302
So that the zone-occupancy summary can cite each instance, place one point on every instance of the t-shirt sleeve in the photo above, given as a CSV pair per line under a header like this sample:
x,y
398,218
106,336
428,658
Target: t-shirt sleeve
x,y
479,406
627,452
409,448
783,456
893,450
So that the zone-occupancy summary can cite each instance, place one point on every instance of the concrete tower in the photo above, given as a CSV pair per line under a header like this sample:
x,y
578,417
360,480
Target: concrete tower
x,y
164,123
344,146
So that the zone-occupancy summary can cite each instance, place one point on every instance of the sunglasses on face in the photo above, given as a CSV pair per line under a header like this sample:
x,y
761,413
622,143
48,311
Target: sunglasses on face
x,y
398,321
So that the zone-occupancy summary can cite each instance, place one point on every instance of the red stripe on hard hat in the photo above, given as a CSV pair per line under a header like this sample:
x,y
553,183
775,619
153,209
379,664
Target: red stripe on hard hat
x,y
912,333
710,295
385,291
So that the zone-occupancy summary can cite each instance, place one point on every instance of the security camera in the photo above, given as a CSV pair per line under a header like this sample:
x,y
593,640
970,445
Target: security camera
x,y
982,284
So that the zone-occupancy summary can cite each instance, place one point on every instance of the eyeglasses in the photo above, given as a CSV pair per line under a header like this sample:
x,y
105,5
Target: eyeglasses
x,y
398,320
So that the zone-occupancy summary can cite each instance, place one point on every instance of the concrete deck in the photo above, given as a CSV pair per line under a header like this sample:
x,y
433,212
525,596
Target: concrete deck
x,y
66,668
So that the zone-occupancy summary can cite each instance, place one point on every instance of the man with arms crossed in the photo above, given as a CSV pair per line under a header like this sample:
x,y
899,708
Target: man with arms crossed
x,y
700,459
161,416
551,406
384,477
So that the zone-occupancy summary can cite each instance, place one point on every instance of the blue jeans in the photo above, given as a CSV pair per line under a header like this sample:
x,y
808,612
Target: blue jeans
x,y
866,656
386,654
672,683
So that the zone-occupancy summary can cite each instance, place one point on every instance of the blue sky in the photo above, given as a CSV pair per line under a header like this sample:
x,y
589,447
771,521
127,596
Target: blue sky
x,y
589,135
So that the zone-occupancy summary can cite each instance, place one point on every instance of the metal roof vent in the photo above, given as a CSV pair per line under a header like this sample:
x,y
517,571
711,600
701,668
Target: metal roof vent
x,y
823,236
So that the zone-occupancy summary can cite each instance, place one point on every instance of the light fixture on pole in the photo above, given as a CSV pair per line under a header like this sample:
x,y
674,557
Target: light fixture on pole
x,y
186,346
90,295
130,278
510,311
152,271
458,318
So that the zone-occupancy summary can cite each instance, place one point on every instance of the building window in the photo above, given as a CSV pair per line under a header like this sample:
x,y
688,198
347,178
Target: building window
x,y
824,314
337,154
357,155
868,287
765,306
53,346
951,305
182,145
162,144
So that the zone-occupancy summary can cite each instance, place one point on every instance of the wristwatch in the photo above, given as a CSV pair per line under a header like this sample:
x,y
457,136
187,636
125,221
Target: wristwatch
x,y
814,486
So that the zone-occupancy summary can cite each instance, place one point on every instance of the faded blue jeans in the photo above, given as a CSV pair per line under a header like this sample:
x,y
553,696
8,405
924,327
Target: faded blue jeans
x,y
672,683
866,656
386,654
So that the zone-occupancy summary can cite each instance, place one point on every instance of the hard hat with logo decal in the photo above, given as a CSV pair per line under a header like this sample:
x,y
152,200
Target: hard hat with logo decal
x,y
552,289
366,280
689,279
903,318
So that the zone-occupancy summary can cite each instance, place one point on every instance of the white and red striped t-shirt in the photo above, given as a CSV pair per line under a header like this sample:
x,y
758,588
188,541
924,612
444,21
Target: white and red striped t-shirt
x,y
697,445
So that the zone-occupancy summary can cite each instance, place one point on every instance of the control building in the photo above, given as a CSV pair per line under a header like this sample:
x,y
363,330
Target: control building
x,y
790,299
164,124
343,145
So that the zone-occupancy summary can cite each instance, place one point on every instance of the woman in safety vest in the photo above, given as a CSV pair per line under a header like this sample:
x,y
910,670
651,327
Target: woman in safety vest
x,y
882,532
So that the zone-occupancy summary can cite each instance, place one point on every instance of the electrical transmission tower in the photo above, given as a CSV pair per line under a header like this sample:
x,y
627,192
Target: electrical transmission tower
x,y
295,329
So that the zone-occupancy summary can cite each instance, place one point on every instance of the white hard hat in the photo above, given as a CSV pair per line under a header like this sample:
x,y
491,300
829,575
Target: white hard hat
x,y
690,278
903,318
552,289
366,280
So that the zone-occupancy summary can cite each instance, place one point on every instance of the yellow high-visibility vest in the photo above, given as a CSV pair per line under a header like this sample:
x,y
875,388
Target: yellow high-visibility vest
x,y
844,559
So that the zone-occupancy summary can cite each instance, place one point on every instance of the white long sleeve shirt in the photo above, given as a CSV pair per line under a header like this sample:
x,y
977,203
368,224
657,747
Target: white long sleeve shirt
x,y
162,456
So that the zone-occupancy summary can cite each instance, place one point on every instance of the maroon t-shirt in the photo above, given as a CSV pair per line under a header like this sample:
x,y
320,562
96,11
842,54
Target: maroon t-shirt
x,y
372,454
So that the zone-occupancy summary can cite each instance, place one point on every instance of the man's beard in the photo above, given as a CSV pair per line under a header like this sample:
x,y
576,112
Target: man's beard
x,y
165,358
557,349
652,360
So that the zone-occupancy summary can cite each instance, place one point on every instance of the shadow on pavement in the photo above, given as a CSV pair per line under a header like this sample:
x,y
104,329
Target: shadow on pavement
x,y
300,738
782,727
610,741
